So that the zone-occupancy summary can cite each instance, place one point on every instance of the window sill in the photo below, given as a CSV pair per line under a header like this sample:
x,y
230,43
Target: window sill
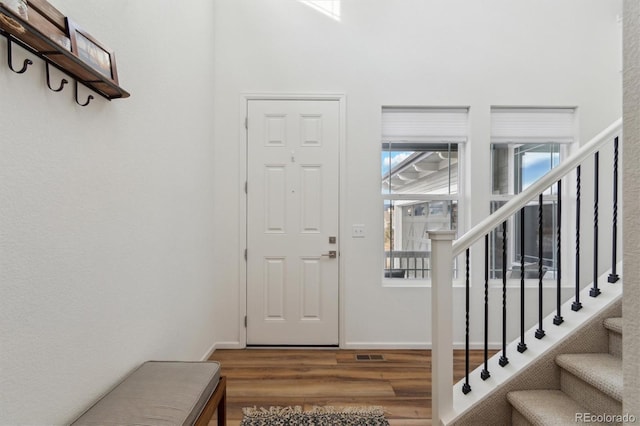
x,y
408,283
529,283
493,284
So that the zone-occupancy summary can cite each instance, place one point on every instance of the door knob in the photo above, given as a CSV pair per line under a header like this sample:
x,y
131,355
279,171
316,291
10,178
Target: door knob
x,y
331,255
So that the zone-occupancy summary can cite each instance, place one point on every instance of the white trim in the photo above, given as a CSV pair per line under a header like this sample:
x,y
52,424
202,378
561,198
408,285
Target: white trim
x,y
342,230
416,345
230,345
275,96
530,283
494,284
242,232
531,139
421,197
425,139
509,197
209,352
458,283
341,98
405,283
386,345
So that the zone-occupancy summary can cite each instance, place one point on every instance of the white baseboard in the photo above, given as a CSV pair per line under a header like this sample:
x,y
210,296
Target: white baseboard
x,y
415,345
385,345
210,351
230,345
366,345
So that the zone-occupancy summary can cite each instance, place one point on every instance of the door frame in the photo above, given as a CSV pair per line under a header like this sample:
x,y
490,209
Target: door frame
x,y
242,178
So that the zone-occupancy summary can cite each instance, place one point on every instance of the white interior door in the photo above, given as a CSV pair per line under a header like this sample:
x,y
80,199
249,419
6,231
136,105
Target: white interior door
x,y
292,222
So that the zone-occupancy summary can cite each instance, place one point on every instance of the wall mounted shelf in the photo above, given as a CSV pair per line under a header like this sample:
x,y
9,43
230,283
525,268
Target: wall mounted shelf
x,y
53,52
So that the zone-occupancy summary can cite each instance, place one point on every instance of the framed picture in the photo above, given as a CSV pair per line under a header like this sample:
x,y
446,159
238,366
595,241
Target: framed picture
x,y
92,52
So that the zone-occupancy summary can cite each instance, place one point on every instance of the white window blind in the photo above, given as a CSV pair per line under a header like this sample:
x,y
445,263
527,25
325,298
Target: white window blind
x,y
533,125
424,124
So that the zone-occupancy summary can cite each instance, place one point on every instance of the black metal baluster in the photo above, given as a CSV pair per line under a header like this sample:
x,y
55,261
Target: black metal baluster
x,y
540,331
595,291
485,372
557,320
613,277
503,358
576,305
466,387
522,346
406,265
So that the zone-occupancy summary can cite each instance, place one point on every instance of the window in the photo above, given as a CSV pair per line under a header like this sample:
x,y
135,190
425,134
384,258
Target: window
x,y
420,158
527,143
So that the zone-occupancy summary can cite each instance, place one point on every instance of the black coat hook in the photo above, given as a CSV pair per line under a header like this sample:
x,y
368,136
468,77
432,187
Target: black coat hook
x,y
62,83
88,99
26,63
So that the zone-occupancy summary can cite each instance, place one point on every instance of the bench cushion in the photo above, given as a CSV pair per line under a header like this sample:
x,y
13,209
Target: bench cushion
x,y
157,393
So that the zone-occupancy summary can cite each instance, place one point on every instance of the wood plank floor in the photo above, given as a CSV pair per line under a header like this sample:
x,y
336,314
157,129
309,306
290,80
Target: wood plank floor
x,y
401,383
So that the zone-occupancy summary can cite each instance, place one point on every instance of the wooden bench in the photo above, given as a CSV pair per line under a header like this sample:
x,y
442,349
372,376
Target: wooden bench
x,y
163,393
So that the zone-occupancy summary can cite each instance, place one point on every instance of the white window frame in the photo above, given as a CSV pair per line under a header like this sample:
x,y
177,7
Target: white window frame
x,y
450,126
532,125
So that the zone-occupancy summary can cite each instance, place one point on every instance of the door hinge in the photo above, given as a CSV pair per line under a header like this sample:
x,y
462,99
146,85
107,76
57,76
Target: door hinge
x,y
246,187
245,254
245,321
246,123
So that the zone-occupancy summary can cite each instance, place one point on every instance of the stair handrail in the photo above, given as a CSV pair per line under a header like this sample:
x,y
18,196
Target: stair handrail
x,y
520,200
444,250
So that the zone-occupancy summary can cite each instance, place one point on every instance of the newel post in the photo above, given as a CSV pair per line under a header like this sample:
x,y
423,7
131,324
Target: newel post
x,y
441,328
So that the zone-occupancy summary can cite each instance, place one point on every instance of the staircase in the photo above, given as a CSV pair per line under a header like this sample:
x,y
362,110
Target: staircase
x,y
590,388
537,372
565,370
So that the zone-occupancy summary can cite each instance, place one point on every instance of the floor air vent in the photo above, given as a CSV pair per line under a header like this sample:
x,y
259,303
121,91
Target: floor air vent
x,y
369,357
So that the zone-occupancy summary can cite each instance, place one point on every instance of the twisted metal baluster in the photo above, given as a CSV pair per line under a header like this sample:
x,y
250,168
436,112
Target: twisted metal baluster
x,y
485,372
503,358
595,291
576,305
557,320
613,277
540,331
466,387
522,346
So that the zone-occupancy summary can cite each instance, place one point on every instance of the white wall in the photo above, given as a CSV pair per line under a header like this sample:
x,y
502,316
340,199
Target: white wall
x,y
106,213
631,178
408,52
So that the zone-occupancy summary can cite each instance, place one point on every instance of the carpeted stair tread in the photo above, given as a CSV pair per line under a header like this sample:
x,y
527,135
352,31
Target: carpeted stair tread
x,y
602,371
613,324
546,407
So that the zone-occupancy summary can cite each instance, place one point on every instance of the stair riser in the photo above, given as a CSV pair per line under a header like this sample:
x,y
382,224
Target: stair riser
x,y
592,399
615,344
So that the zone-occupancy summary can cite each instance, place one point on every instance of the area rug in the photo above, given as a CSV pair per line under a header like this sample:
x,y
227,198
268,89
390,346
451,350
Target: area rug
x,y
318,416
